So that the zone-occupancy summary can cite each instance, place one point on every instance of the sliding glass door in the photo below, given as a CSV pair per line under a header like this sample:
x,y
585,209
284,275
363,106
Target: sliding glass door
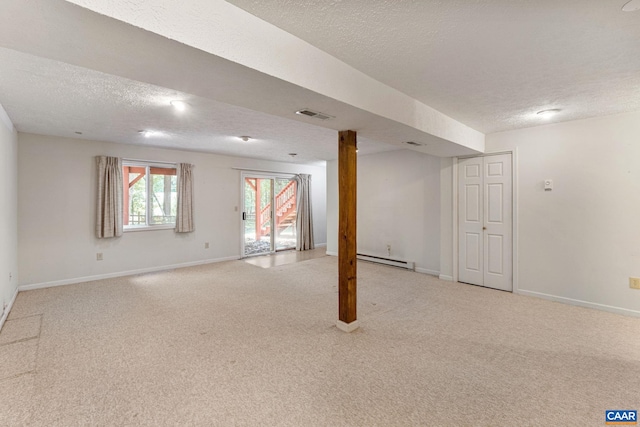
x,y
256,215
285,214
268,214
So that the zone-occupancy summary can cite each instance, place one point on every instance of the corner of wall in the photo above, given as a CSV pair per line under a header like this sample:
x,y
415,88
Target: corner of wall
x,y
4,118
8,214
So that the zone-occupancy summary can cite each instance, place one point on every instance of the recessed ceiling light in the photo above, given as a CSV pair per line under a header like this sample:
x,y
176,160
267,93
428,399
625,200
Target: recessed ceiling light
x,y
146,133
631,6
179,105
293,154
548,113
78,133
245,138
415,144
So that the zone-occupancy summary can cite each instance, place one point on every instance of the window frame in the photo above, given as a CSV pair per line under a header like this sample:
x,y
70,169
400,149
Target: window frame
x,y
148,194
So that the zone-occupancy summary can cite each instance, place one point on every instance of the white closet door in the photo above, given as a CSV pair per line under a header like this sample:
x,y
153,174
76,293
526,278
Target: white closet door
x,y
470,221
497,222
484,221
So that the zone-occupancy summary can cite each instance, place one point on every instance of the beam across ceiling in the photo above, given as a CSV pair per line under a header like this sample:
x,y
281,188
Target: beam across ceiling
x,y
217,51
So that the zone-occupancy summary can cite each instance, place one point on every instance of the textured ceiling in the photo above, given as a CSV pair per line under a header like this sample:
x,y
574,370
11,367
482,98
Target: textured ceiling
x,y
108,108
491,64
75,70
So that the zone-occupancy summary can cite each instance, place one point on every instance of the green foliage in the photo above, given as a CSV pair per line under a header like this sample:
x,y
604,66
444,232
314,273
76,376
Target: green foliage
x,y
137,196
164,198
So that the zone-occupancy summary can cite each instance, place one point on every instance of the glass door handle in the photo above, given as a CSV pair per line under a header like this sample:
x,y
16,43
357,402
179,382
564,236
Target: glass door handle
x,y
244,216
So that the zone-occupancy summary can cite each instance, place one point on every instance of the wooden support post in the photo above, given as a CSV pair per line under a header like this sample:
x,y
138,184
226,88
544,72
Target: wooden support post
x,y
347,291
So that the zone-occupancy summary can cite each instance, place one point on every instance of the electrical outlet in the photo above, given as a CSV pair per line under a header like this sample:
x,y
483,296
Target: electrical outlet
x,y
206,245
99,256
634,282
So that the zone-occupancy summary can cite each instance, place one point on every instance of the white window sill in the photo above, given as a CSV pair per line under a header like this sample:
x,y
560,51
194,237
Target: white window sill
x,y
150,228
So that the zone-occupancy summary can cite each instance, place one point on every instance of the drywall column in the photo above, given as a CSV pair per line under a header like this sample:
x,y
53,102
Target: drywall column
x,y
8,214
347,199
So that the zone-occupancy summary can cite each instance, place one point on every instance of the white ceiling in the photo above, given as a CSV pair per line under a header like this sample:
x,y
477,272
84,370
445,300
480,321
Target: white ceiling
x,y
488,64
53,98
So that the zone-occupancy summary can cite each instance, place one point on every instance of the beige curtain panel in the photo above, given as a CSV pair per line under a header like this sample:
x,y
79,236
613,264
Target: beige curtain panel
x,y
304,217
184,213
109,203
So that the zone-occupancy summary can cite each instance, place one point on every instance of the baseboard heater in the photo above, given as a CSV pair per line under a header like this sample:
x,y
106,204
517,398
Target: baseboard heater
x,y
409,265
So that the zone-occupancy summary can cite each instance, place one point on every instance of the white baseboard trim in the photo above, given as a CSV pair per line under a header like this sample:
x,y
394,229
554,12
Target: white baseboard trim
x,y
320,245
8,310
427,271
347,327
580,303
332,253
64,282
445,277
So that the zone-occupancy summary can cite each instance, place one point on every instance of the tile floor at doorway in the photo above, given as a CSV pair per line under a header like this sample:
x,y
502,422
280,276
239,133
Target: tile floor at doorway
x,y
285,257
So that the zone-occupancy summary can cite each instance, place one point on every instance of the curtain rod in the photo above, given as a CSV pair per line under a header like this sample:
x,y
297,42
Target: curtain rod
x,y
149,161
264,171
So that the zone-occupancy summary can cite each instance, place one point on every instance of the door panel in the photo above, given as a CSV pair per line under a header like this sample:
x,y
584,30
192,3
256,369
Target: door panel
x,y
498,209
495,253
473,250
495,203
472,170
473,201
285,213
470,242
494,168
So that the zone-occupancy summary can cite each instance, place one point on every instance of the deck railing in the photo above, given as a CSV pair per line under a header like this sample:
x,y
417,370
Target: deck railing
x,y
285,206
141,219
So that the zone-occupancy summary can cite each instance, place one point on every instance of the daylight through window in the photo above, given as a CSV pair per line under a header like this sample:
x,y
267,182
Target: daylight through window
x,y
150,195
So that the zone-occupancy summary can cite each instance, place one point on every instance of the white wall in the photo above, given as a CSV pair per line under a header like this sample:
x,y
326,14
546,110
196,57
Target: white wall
x,y
398,205
446,219
8,213
579,242
57,186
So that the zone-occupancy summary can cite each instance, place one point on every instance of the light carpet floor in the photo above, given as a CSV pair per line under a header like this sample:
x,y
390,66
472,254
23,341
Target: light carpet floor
x,y
232,344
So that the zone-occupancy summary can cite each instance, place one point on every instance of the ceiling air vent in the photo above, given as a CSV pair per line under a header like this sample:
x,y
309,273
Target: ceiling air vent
x,y
314,114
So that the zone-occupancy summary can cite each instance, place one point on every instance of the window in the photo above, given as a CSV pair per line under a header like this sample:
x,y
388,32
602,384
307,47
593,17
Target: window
x,y
150,195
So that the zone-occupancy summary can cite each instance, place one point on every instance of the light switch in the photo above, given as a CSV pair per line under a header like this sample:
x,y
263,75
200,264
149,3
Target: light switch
x,y
548,185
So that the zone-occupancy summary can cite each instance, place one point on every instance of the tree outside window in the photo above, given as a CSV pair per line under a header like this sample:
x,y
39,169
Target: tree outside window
x,y
150,195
